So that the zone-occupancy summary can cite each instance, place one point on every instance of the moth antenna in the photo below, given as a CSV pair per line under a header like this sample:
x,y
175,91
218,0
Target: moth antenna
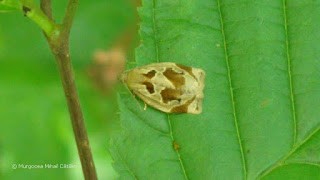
x,y
123,76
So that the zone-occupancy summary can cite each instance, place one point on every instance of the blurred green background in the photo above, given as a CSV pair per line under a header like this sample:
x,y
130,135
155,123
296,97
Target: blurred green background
x,y
34,121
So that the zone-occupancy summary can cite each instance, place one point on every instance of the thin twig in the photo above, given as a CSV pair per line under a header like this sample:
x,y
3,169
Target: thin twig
x,y
60,49
69,16
46,8
58,39
79,130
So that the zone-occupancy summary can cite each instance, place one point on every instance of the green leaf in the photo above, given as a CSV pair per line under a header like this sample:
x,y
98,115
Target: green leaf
x,y
261,115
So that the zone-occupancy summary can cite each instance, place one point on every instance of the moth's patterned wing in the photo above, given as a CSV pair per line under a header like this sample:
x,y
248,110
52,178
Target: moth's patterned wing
x,y
154,103
169,87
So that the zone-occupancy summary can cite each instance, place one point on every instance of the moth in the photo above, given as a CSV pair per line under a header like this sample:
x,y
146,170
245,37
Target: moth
x,y
167,86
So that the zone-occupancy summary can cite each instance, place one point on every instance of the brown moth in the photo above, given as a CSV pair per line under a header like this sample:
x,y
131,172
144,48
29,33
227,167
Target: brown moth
x,y
168,87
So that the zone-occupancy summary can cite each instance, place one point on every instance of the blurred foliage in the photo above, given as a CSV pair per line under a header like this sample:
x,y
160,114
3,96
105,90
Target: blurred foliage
x,y
34,120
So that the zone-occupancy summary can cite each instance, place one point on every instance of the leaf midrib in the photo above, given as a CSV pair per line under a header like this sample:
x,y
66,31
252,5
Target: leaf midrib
x,y
289,73
231,90
168,117
154,30
177,151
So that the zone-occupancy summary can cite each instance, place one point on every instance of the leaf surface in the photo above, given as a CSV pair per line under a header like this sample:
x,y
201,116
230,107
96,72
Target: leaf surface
x,y
261,115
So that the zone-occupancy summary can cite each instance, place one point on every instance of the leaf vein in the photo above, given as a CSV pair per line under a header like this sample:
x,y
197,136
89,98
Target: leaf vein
x,y
231,90
289,73
146,124
304,163
158,60
125,163
281,161
179,157
154,30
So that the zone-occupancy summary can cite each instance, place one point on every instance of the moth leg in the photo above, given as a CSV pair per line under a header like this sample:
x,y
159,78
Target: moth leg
x,y
145,106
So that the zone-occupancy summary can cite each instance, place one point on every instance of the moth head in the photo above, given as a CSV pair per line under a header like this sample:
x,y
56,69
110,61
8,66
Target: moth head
x,y
123,77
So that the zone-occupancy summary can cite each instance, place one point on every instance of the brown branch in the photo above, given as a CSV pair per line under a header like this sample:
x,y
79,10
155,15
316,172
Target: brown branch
x,y
60,48
79,130
69,16
46,7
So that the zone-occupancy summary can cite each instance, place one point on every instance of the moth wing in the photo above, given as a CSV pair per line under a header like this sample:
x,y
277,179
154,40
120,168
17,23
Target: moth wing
x,y
193,93
153,103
